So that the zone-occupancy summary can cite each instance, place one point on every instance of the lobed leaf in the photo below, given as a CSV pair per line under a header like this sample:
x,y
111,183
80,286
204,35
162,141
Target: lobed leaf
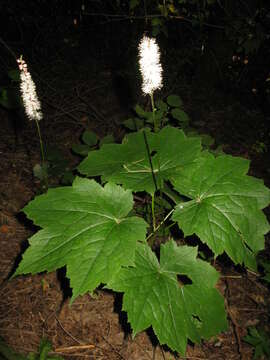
x,y
225,210
154,297
85,227
128,163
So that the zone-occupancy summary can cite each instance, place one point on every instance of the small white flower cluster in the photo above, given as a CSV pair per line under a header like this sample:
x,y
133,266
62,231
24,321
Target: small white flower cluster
x,y
28,90
149,61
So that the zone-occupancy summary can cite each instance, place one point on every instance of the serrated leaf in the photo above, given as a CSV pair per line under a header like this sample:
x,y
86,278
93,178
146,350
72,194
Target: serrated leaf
x,y
85,227
174,101
89,138
180,115
225,210
154,297
128,163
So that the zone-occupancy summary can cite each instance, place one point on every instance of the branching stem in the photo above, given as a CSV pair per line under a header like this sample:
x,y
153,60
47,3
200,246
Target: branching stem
x,y
160,224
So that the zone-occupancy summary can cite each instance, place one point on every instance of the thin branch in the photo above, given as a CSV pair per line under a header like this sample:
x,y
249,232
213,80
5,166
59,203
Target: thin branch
x,y
75,347
160,224
151,16
67,332
9,49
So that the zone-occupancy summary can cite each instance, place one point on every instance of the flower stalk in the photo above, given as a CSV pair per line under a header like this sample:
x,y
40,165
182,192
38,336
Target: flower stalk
x,y
151,70
32,105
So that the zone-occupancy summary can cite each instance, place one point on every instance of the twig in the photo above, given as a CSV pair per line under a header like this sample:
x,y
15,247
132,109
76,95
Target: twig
x,y
63,111
68,333
234,322
253,273
252,310
64,354
75,347
90,106
132,17
113,348
8,48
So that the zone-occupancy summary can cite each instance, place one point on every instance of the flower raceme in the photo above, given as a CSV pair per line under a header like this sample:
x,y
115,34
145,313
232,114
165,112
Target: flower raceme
x,y
28,90
150,67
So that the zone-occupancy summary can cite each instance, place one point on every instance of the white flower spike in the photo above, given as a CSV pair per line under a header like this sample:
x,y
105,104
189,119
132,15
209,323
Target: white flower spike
x,y
150,67
28,90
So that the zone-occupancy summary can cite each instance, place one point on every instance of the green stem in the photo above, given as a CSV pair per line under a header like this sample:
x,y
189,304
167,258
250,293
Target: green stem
x,y
154,179
41,143
153,212
153,112
160,224
42,153
150,160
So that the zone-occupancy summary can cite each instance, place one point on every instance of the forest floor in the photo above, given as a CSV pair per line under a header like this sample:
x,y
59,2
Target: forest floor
x,y
33,307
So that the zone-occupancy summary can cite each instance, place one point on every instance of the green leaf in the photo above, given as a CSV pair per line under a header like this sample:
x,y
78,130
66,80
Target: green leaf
x,y
266,269
219,150
134,124
67,178
180,115
156,21
149,116
174,101
156,30
85,227
44,347
139,111
56,161
108,139
161,105
81,149
7,353
14,75
133,4
260,340
225,210
207,140
9,98
154,297
267,278
128,163
89,138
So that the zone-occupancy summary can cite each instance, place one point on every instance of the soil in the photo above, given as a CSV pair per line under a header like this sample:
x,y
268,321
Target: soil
x,y
33,307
